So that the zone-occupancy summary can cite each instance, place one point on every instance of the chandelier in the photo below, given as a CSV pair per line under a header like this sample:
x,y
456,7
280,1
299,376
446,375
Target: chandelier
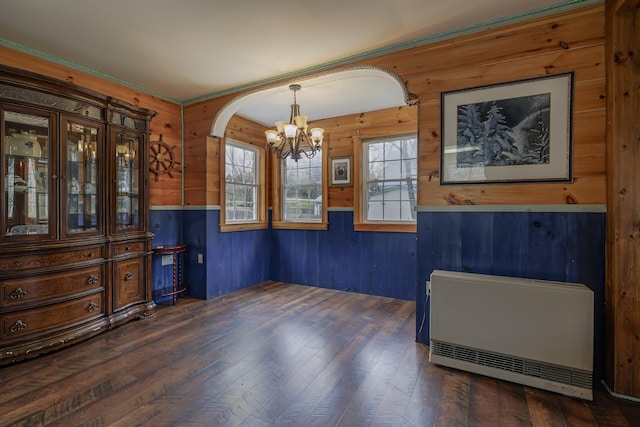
x,y
291,139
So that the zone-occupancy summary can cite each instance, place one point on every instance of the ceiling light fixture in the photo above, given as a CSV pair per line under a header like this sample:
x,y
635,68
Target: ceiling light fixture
x,y
290,139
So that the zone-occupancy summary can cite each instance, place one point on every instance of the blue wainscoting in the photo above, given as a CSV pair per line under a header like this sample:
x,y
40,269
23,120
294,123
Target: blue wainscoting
x,y
196,225
231,261
558,246
374,263
166,225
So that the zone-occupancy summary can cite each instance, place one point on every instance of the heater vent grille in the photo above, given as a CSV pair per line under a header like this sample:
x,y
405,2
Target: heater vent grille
x,y
531,368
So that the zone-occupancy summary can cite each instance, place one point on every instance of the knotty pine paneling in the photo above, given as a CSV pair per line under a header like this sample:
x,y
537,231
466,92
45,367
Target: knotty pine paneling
x,y
572,41
167,122
623,207
522,194
586,63
213,171
201,185
589,146
195,171
558,33
341,132
588,140
202,178
165,189
245,130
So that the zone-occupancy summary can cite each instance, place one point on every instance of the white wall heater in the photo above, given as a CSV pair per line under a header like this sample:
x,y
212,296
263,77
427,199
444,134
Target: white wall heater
x,y
532,332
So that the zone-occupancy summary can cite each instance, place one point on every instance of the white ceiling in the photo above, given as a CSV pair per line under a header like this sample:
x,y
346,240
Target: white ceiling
x,y
184,50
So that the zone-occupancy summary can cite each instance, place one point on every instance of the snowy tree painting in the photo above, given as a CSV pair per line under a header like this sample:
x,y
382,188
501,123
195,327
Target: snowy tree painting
x,y
516,131
505,132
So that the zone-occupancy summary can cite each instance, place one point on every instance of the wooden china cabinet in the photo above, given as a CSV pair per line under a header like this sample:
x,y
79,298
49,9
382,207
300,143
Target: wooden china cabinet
x,y
75,246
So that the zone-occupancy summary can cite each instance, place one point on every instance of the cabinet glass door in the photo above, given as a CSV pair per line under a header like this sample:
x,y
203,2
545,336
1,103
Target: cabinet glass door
x,y
127,169
26,171
81,185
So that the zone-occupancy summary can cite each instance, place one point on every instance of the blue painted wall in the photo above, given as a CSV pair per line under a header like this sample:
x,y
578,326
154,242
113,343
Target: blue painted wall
x,y
559,246
372,263
231,261
166,225
340,258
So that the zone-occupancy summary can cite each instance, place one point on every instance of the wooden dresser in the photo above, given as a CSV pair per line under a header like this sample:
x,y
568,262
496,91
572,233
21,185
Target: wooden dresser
x,y
75,246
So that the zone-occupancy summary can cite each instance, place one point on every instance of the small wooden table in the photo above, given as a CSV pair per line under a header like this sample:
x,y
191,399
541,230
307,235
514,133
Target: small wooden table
x,y
178,287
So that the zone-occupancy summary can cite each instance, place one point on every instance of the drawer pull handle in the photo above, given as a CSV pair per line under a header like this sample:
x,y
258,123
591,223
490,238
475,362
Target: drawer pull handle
x,y
19,326
92,307
93,279
18,264
129,276
128,248
91,254
18,293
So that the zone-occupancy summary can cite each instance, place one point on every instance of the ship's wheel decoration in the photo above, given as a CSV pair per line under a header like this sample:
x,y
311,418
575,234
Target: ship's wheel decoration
x,y
162,159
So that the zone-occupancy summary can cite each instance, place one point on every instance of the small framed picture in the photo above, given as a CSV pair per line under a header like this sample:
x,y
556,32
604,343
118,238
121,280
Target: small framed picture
x,y
340,169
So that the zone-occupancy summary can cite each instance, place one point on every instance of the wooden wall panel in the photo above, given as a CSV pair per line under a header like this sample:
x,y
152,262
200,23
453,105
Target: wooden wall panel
x,y
195,169
566,31
586,63
167,126
213,171
201,186
168,121
588,134
165,189
623,205
247,131
572,41
341,132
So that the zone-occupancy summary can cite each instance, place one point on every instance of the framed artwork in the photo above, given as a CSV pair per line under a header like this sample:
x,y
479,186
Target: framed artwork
x,y
340,170
511,132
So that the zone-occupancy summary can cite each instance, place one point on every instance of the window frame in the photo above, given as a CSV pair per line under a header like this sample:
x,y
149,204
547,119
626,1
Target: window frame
x,y
261,221
360,181
278,221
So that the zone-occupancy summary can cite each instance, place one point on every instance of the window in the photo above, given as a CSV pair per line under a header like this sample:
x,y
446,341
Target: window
x,y
302,189
301,199
389,180
243,185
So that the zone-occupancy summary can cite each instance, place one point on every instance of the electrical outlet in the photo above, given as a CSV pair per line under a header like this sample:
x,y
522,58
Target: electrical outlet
x,y
167,259
200,259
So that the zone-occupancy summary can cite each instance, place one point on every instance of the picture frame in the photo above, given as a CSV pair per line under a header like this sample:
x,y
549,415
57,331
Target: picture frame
x,y
519,131
340,170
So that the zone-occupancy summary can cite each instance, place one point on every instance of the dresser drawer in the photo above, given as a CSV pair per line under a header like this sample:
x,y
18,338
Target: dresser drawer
x,y
128,248
35,289
27,322
129,282
26,261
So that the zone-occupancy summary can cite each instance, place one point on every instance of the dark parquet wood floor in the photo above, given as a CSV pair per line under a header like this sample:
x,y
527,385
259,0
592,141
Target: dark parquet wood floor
x,y
277,354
